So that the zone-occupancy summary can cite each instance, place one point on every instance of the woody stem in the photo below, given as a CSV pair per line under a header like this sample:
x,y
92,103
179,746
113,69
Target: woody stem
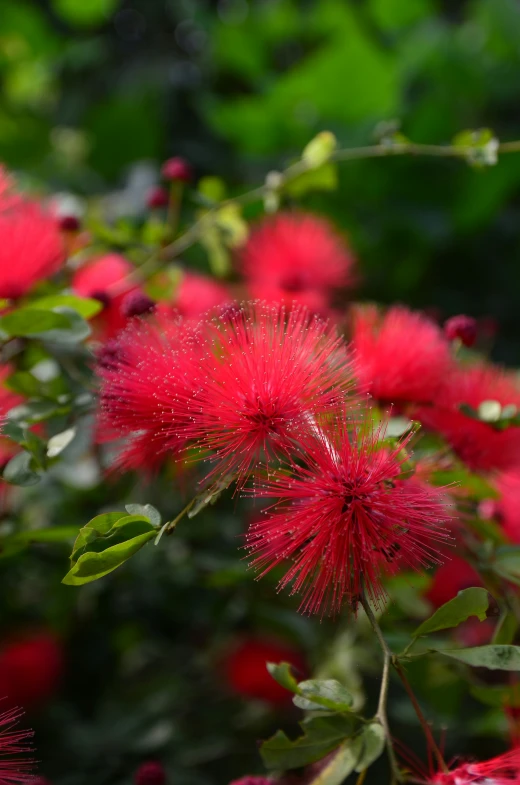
x,y
381,714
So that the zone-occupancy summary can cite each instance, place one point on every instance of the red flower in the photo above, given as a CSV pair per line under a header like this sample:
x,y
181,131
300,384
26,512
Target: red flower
x,y
251,779
451,577
401,356
481,446
149,380
507,508
463,328
268,375
150,773
503,770
104,280
345,517
246,669
198,294
177,169
30,669
14,770
31,247
296,256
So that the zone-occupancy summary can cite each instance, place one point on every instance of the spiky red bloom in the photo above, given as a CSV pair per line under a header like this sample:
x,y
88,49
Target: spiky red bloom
x,y
246,672
149,380
14,770
451,577
401,355
104,279
345,517
268,375
463,328
31,247
481,446
30,669
197,294
296,256
502,770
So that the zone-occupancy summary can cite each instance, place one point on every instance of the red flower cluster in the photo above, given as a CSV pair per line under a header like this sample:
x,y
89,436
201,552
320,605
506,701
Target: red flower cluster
x,y
296,257
14,770
347,515
247,674
502,770
401,356
31,246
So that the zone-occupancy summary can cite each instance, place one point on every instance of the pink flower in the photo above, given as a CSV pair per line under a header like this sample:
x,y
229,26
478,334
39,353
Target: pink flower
x,y
502,770
268,374
401,356
479,444
296,257
14,770
31,247
344,517
104,279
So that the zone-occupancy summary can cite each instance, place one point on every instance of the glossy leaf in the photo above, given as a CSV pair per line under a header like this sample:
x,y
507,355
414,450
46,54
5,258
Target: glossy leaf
x,y
321,736
468,602
19,470
503,658
372,739
326,694
31,321
87,307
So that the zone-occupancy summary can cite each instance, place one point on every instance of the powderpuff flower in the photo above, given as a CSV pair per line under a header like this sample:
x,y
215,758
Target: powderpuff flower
x,y
268,377
104,279
345,517
149,378
14,770
479,444
451,577
150,773
296,256
31,247
30,669
197,294
245,669
502,770
401,356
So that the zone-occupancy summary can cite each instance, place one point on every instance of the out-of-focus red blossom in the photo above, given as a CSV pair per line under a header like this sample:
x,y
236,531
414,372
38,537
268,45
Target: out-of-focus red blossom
x,y
345,517
502,770
401,356
481,446
149,377
296,257
197,294
103,280
157,197
251,779
31,246
16,762
507,508
463,328
177,169
8,400
69,223
245,668
268,373
450,578
137,303
30,669
150,773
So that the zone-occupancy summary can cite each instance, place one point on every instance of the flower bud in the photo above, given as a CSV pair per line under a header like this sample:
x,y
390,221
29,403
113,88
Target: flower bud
x,y
137,303
69,223
177,169
150,773
462,327
157,197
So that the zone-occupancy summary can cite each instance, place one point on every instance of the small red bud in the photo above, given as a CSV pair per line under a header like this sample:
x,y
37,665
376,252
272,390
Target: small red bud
x,y
462,327
102,297
157,197
150,773
137,303
177,169
69,223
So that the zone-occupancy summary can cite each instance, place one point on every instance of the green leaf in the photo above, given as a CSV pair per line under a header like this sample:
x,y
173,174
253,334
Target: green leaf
x,y
283,675
19,470
321,736
87,307
326,694
76,330
506,629
59,442
24,383
85,13
498,697
469,602
503,658
325,178
31,321
507,563
372,745
319,150
145,510
99,525
341,764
